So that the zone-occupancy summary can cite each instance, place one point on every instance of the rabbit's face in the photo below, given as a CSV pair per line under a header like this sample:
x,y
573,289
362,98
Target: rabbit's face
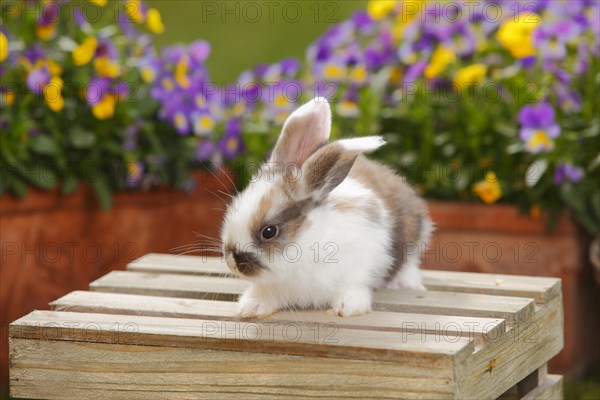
x,y
263,221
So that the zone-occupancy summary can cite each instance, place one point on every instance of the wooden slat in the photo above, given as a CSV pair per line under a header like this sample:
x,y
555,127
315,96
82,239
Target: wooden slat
x,y
539,288
76,370
256,336
524,348
179,264
197,287
551,388
414,324
542,289
512,309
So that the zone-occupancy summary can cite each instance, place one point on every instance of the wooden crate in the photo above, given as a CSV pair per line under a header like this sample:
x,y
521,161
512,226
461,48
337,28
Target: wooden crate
x,y
166,328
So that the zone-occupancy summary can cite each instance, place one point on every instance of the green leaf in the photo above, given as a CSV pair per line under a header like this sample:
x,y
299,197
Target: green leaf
x,y
39,175
43,144
81,139
102,192
70,183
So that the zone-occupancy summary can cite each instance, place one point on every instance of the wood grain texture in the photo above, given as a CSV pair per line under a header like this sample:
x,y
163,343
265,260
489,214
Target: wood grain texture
x,y
196,287
512,309
443,326
542,289
523,349
256,336
66,369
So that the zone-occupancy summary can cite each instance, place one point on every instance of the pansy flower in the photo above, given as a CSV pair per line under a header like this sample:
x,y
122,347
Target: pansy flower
x,y
231,144
538,127
567,173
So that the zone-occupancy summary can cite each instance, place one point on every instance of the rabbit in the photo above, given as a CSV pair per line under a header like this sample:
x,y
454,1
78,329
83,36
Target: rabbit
x,y
321,226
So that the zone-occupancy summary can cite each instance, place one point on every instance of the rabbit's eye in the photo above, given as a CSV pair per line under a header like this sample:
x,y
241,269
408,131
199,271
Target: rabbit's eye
x,y
269,232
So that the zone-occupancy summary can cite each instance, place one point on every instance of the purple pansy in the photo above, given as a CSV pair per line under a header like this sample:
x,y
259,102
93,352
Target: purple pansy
x,y
37,79
567,172
538,127
96,89
231,144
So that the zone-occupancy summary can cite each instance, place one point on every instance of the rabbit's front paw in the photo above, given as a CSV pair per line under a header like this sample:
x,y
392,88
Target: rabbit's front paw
x,y
249,307
352,303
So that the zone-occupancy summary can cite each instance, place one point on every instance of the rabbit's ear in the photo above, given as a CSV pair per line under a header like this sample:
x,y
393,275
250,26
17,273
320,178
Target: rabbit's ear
x,y
330,165
305,130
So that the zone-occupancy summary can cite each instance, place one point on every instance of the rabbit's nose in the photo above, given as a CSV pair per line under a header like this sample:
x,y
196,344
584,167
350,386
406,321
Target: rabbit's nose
x,y
246,263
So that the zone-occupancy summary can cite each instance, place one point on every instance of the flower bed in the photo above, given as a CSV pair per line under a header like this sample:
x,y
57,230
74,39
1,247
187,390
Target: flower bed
x,y
485,100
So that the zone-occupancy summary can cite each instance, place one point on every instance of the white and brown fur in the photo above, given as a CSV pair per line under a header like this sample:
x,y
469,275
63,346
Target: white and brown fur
x,y
346,224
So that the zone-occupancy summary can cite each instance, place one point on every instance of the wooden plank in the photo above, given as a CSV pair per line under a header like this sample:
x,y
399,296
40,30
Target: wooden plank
x,y
445,327
179,264
256,336
551,388
539,288
512,309
512,357
542,289
67,369
206,287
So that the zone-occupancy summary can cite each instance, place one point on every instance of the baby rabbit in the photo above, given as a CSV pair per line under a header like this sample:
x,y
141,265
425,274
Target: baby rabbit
x,y
321,226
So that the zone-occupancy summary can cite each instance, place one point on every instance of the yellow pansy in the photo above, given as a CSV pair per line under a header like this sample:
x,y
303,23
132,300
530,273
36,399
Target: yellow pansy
x,y
440,59
408,12
378,9
105,108
85,51
53,67
3,47
53,95
100,3
133,10
181,74
516,34
45,31
396,74
133,170
469,75
105,67
8,97
488,190
148,74
155,23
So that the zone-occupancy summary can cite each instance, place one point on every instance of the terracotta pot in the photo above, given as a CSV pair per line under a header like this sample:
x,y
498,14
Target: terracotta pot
x,y
52,245
500,239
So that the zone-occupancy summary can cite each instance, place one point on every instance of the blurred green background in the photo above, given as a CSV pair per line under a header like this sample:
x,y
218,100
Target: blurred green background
x,y
246,33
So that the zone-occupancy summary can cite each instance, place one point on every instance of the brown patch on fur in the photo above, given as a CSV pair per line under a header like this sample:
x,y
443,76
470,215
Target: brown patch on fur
x,y
328,167
294,216
407,210
371,210
259,217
